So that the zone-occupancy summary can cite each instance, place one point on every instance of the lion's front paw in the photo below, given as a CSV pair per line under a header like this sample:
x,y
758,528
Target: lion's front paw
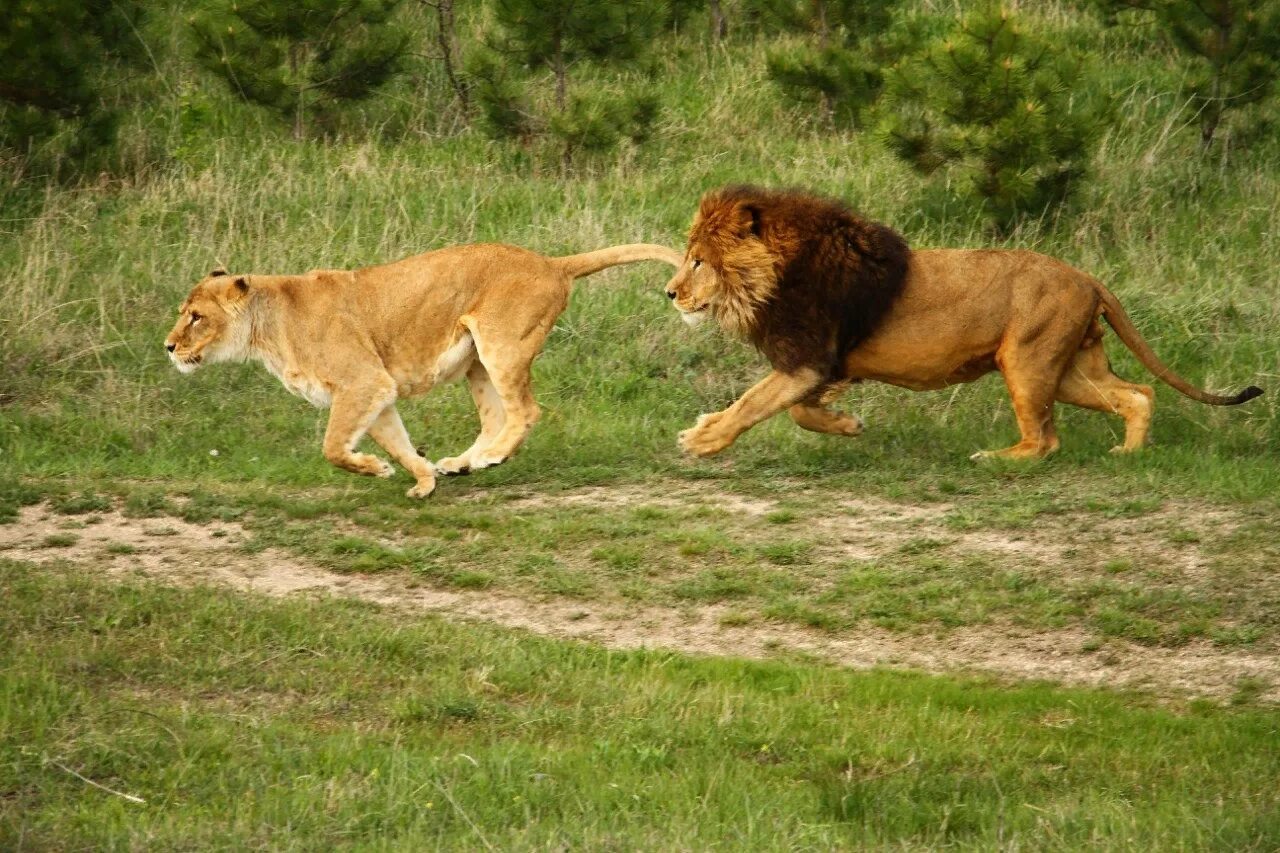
x,y
709,419
422,490
851,425
701,441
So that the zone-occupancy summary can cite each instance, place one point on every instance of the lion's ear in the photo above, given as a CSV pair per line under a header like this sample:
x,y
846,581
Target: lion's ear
x,y
748,221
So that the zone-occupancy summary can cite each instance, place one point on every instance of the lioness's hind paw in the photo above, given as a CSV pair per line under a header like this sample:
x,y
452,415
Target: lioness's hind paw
x,y
487,462
452,466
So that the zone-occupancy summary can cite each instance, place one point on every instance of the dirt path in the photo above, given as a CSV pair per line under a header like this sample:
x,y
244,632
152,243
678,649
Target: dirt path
x,y
172,551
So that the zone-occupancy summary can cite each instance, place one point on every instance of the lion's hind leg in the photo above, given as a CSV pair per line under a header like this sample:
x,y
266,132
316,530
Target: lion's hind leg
x,y
1032,378
1089,383
492,418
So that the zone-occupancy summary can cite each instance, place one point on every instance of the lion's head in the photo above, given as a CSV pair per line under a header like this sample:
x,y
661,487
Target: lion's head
x,y
210,325
729,269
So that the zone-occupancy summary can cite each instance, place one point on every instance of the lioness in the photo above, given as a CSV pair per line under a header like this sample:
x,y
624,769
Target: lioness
x,y
359,340
832,299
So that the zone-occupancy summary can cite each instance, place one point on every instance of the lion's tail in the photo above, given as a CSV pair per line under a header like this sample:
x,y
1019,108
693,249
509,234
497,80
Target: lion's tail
x,y
1132,338
576,266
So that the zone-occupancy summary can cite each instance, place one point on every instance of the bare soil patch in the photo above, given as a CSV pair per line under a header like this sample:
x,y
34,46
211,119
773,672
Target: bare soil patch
x,y
173,551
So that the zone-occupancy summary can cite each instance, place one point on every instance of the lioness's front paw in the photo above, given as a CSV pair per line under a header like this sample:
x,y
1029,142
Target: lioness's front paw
x,y
365,463
422,490
451,465
700,441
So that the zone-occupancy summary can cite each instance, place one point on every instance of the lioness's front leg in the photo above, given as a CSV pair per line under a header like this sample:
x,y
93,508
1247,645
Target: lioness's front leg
x,y
774,393
350,416
388,430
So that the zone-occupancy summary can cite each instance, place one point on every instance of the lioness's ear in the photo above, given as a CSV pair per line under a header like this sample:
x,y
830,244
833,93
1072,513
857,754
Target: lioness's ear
x,y
218,271
241,284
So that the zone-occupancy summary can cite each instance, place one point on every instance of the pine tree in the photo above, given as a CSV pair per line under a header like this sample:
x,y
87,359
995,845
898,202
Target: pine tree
x,y
446,37
838,65
993,102
303,58
552,36
1234,46
58,61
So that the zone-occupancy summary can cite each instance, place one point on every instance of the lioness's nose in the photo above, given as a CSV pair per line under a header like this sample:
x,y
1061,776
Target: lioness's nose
x,y
171,347
671,294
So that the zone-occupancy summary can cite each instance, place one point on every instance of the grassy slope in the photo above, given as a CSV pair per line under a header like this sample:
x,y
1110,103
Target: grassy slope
x,y
302,725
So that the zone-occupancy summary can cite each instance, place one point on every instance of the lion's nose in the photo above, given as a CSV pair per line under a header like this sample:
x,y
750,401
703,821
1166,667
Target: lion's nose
x,y
671,294
171,347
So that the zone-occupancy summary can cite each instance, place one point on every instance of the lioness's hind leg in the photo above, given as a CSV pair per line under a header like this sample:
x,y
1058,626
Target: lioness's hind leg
x,y
508,359
1089,383
350,416
492,419
815,417
388,430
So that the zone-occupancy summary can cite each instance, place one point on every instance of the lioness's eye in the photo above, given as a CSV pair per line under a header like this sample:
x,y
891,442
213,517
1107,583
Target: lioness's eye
x,y
195,318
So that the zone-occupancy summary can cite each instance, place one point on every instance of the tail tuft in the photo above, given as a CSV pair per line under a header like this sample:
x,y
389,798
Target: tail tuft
x,y
1246,395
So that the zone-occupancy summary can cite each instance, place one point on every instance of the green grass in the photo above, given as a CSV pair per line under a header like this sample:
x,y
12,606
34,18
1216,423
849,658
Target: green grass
x,y
247,723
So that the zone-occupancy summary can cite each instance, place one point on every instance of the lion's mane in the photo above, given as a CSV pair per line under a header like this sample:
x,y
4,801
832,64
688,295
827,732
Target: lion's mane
x,y
804,278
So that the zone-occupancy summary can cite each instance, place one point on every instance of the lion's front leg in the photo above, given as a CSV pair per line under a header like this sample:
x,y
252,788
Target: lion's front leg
x,y
776,392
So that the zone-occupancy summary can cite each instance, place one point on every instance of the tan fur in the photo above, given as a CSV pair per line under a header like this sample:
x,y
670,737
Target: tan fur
x,y
961,314
357,341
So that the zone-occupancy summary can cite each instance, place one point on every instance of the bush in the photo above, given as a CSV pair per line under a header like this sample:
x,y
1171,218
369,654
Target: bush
x,y
993,102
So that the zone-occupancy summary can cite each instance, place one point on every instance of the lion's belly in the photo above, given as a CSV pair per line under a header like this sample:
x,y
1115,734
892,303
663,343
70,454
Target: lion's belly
x,y
922,364
930,378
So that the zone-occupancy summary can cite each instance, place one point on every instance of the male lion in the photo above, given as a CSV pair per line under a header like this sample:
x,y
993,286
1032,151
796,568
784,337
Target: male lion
x,y
832,299
358,340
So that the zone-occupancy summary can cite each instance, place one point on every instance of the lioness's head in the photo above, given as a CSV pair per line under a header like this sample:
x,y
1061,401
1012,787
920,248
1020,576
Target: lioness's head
x,y
210,325
729,269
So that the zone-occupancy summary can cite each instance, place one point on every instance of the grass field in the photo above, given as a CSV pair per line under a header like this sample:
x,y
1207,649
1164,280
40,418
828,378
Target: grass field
x,y
252,720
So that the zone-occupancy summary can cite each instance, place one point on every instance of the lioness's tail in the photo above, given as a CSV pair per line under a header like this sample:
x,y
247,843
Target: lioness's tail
x,y
1127,332
588,262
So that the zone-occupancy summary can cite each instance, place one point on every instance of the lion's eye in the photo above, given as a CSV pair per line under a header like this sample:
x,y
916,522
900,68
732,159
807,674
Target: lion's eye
x,y
697,262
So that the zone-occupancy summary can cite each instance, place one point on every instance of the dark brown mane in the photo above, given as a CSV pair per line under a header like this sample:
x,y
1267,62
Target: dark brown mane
x,y
805,278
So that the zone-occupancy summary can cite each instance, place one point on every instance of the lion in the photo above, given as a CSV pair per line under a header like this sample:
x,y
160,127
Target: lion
x,y
832,299
356,341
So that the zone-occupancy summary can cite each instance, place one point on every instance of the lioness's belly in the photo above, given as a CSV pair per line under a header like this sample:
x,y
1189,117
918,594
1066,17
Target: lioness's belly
x,y
450,366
